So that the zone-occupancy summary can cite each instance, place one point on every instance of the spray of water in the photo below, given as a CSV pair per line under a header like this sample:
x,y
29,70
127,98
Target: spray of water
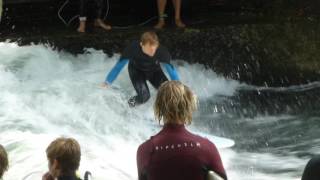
x,y
46,94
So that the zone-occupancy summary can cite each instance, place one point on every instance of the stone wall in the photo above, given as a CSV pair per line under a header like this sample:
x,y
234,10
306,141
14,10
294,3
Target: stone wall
x,y
260,50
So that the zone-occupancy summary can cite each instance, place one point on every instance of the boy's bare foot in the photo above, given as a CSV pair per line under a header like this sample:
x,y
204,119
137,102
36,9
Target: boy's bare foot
x,y
179,23
160,24
100,23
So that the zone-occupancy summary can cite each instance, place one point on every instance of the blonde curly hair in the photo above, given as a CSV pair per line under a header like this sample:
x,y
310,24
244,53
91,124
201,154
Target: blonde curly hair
x,y
175,103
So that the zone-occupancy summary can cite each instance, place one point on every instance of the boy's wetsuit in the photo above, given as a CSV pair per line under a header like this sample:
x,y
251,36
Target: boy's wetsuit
x,y
176,154
142,68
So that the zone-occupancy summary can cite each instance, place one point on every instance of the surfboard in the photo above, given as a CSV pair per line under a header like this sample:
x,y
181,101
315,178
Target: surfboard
x,y
220,142
213,176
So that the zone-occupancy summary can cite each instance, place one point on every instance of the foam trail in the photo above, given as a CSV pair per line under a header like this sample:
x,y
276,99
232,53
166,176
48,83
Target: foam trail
x,y
46,94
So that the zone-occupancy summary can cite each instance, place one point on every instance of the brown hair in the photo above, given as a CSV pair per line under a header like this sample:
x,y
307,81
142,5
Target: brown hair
x,y
175,103
149,37
67,152
4,163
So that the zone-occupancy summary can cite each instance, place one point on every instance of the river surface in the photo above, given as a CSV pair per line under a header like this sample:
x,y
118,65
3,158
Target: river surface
x,y
45,94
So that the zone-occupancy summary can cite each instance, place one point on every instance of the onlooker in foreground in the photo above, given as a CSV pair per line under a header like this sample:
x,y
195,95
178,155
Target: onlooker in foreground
x,y
4,163
312,169
175,153
63,159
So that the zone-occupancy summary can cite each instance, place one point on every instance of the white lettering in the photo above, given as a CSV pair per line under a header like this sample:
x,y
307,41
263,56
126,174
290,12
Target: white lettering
x,y
180,145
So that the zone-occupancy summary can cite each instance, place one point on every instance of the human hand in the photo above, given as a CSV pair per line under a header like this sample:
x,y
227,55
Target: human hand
x,y
104,85
47,176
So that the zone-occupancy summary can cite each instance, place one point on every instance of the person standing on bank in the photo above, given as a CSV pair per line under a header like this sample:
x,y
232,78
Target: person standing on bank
x,y
175,153
144,59
0,9
161,15
98,22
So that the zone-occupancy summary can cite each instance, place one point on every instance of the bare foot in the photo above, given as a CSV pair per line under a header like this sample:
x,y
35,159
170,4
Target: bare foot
x,y
100,23
160,24
179,23
81,30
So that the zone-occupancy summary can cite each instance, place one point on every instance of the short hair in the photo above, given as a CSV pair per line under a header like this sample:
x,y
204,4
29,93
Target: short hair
x,y
4,162
175,103
67,152
149,37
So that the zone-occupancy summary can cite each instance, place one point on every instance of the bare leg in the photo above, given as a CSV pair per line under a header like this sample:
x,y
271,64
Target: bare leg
x,y
177,13
82,25
99,16
83,16
99,23
161,9
0,9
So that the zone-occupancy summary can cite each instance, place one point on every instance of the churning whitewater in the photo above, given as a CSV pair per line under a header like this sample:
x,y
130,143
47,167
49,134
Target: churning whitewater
x,y
47,93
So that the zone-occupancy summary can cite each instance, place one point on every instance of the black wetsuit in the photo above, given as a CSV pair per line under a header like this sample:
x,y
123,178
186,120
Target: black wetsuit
x,y
312,170
99,5
143,68
68,178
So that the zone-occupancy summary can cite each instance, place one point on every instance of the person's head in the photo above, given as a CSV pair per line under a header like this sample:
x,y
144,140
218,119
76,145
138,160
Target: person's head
x,y
63,156
311,171
4,163
175,103
149,43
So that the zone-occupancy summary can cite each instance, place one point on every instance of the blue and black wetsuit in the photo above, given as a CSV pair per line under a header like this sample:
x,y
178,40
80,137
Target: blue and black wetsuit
x,y
143,68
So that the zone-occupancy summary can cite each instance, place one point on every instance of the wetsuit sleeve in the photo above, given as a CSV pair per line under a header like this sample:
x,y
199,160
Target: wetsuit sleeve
x,y
113,74
171,71
143,158
215,162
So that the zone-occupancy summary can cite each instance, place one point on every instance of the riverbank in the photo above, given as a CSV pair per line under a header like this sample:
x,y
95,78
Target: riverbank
x,y
252,49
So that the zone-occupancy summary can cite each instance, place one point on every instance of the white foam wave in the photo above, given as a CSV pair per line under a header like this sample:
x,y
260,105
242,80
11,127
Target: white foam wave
x,y
46,94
